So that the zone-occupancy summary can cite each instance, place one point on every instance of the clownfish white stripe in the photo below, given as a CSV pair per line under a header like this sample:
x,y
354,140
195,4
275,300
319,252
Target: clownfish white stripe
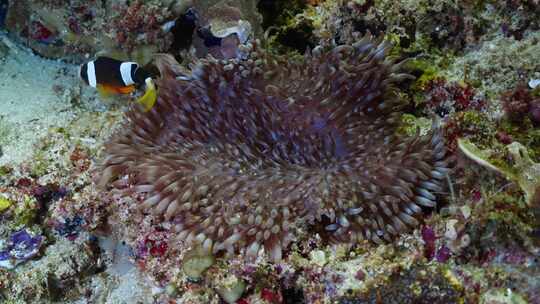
x,y
91,72
125,71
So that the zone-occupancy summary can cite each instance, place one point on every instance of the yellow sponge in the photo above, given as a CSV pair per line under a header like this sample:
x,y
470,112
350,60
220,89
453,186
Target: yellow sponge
x,y
4,203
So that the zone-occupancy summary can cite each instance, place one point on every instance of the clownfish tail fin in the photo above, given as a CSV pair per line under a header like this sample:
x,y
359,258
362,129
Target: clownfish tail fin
x,y
150,95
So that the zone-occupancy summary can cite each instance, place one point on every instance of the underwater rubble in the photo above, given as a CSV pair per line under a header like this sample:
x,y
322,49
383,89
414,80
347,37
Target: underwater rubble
x,y
475,64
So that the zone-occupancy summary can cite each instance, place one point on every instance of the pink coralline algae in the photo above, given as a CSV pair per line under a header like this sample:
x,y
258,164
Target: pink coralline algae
x,y
429,238
360,275
520,103
534,112
80,20
476,195
443,254
40,32
44,194
242,154
139,24
503,137
154,245
271,296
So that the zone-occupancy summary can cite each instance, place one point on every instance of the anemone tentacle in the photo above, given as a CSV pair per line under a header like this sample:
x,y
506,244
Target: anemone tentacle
x,y
238,153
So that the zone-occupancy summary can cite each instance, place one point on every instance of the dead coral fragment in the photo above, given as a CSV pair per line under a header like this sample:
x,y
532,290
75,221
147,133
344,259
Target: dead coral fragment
x,y
239,153
523,171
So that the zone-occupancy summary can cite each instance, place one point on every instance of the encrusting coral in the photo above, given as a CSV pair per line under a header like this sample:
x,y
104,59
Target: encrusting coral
x,y
240,154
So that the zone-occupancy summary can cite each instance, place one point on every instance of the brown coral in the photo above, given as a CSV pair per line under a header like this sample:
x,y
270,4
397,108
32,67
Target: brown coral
x,y
240,153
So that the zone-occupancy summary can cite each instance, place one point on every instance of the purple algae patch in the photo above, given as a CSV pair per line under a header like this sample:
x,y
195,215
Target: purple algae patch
x,y
69,228
443,254
20,247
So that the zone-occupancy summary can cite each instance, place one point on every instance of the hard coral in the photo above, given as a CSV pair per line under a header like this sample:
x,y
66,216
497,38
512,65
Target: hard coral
x,y
239,154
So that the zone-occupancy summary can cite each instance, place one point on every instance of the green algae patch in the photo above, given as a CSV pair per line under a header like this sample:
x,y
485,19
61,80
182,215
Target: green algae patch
x,y
411,124
4,203
524,132
26,212
290,25
430,71
474,125
5,171
40,164
529,171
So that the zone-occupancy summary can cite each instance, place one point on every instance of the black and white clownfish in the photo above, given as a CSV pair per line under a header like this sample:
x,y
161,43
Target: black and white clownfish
x,y
111,76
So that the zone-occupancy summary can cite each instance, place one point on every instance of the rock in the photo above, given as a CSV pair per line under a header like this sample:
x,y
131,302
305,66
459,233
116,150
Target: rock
x,y
233,289
196,263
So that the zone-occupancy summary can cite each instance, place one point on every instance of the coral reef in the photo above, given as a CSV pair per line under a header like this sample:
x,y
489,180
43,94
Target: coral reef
x,y
216,27
288,27
476,73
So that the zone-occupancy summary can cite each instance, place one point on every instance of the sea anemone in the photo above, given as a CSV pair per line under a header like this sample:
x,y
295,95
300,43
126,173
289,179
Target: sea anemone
x,y
241,154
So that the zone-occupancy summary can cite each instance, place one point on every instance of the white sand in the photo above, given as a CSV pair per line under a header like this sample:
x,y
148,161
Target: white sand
x,y
35,95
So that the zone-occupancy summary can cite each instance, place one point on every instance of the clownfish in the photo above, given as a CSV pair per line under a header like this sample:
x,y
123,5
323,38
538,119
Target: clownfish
x,y
110,76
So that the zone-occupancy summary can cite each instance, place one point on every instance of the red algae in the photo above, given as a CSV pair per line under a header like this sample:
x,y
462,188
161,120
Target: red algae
x,y
444,97
516,103
40,32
